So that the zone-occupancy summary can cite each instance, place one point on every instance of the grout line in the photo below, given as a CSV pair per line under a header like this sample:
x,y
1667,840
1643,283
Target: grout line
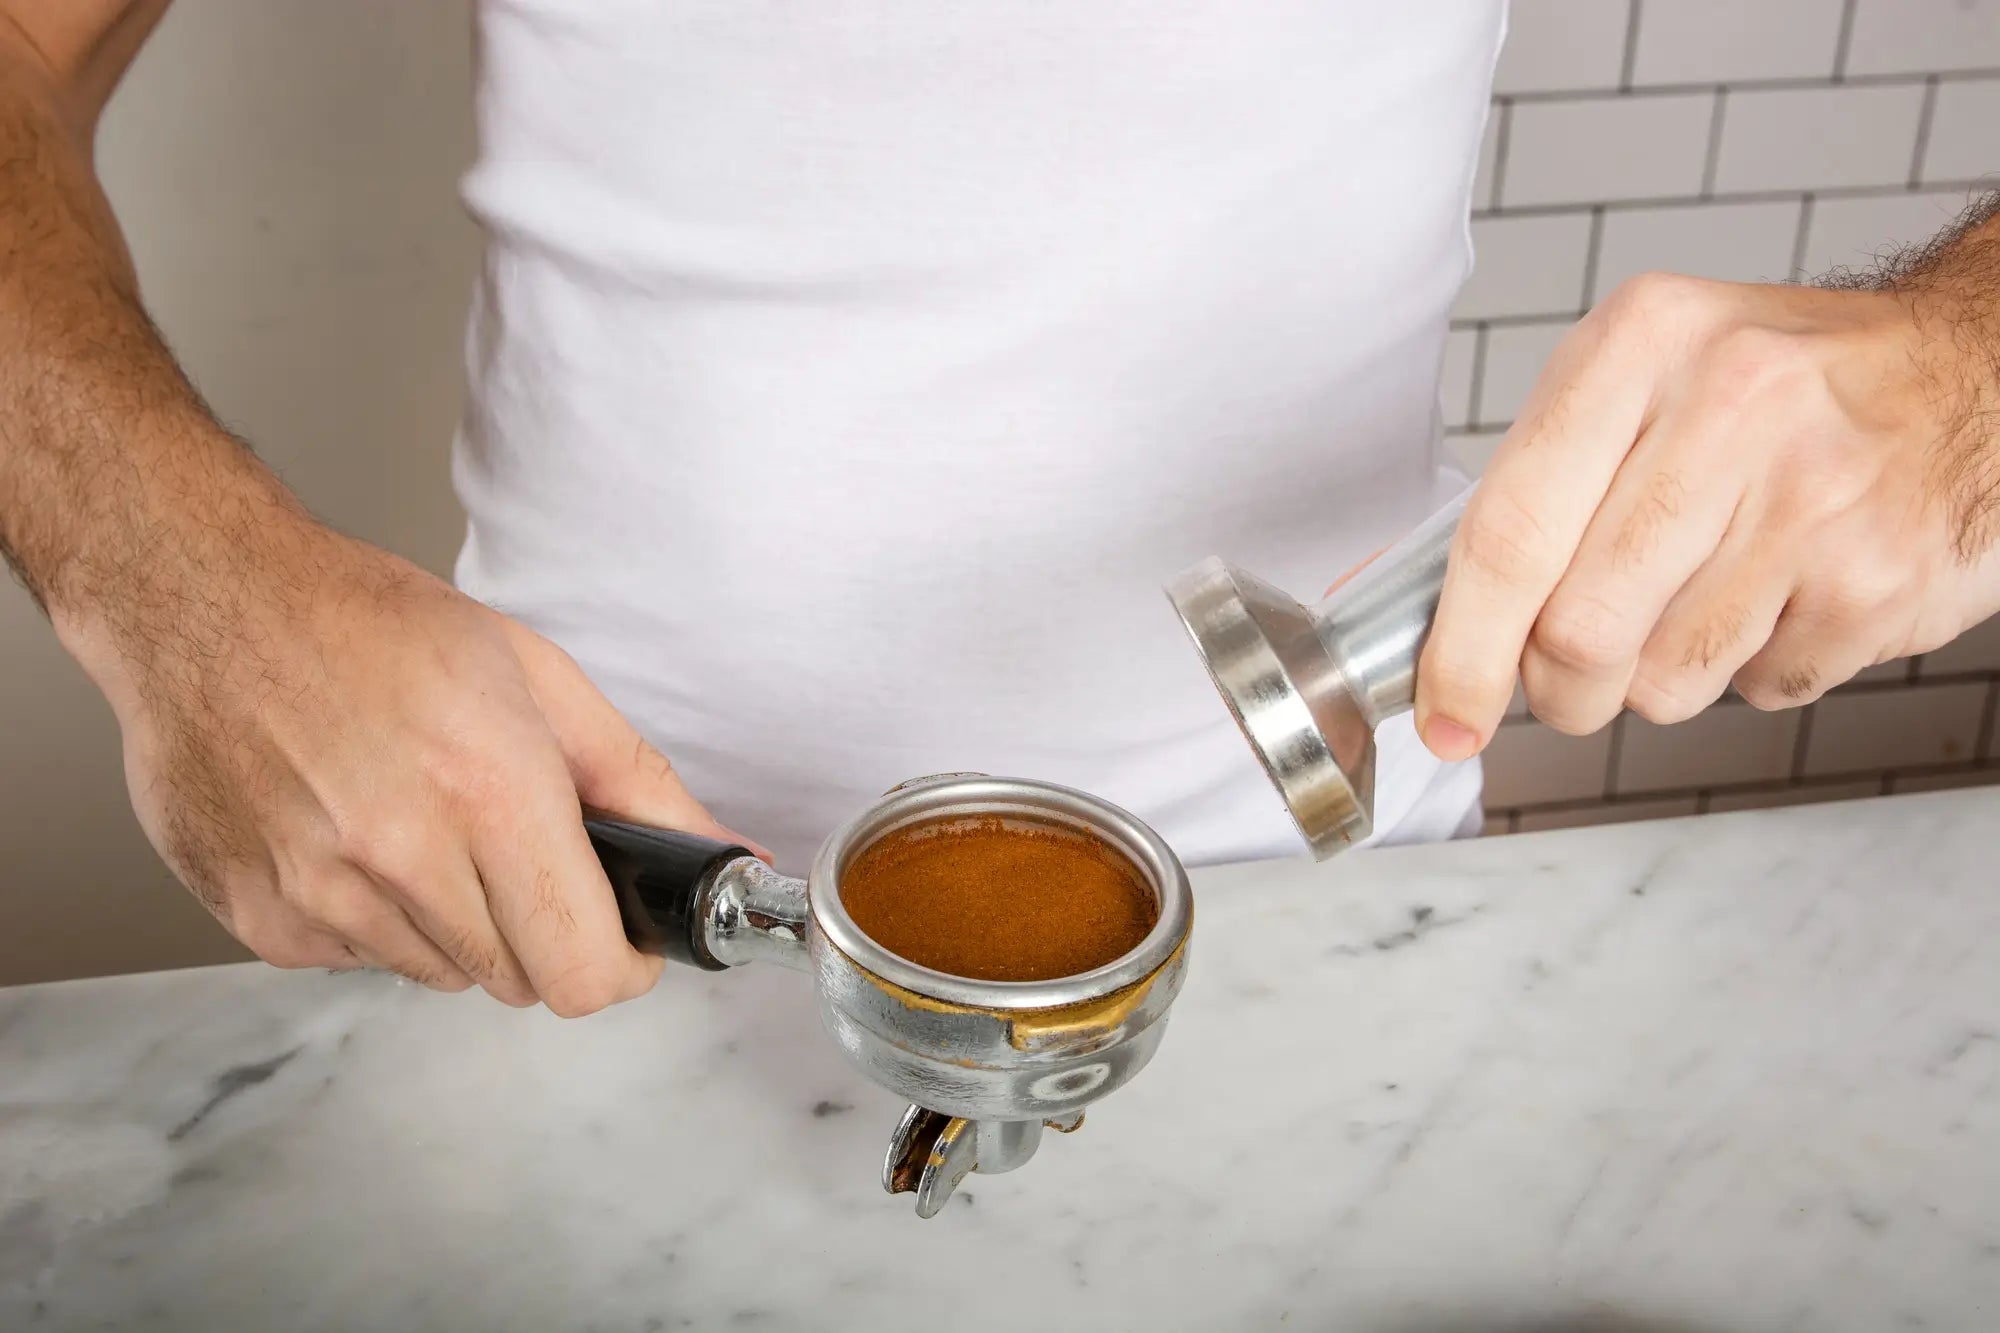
x,y
1800,237
1924,119
1915,671
1702,799
1899,189
1983,744
1775,85
1590,254
1611,753
1714,155
1630,59
1502,138
1478,379
1760,788
1801,742
1845,42
1551,317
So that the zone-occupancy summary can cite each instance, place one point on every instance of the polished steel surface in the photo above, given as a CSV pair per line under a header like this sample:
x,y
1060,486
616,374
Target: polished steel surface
x,y
971,795
751,913
985,1064
1309,687
930,1153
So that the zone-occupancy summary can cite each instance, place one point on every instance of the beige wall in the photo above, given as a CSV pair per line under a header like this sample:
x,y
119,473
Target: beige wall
x,y
286,171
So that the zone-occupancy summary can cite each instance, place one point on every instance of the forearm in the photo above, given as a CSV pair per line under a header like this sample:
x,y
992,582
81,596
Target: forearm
x,y
110,465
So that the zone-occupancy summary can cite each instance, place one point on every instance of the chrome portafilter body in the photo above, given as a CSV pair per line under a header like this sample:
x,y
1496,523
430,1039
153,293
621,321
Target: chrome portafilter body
x,y
985,1065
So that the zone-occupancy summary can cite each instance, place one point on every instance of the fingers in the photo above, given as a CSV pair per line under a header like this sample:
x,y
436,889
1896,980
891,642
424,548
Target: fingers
x,y
283,937
449,906
552,902
1521,529
379,932
1718,620
1810,651
613,767
1666,511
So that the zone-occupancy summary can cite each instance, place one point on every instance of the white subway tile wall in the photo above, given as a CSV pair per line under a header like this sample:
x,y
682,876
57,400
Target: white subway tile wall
x,y
1738,242
1527,265
1580,150
1861,232
1920,36
1562,44
1964,124
1515,355
1818,138
1677,41
1744,140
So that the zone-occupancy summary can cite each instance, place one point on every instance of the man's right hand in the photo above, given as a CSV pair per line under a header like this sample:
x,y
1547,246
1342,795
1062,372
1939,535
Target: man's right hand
x,y
346,760
350,763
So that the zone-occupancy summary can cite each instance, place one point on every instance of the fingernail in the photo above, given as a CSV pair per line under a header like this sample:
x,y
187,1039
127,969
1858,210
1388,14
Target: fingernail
x,y
1449,740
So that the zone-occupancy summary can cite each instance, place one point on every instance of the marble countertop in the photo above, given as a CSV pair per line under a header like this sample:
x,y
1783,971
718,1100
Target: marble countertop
x,y
1734,1073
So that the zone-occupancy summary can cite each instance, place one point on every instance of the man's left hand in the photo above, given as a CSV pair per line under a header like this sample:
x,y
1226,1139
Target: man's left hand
x,y
1717,483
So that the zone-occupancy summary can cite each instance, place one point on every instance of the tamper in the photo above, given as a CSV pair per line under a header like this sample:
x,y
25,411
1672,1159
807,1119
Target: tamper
x,y
1309,686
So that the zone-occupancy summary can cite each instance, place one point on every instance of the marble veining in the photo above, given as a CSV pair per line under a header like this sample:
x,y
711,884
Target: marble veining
x,y
1708,1076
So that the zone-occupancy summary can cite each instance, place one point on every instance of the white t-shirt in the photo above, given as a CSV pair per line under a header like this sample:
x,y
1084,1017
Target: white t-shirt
x,y
847,377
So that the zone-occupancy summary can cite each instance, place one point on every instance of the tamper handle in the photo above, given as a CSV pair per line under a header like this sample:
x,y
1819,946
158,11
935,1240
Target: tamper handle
x,y
1374,625
659,876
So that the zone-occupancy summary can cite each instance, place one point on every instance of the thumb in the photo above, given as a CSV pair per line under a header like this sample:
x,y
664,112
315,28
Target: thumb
x,y
615,769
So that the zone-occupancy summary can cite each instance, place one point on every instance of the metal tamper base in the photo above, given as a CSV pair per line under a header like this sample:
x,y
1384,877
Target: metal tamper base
x,y
1308,686
1265,656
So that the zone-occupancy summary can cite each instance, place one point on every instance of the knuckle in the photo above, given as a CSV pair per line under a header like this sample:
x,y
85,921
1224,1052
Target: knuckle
x,y
1770,690
547,903
285,947
1501,538
1455,686
1581,633
478,955
1855,588
1565,710
1833,485
1561,717
1649,300
514,997
1722,632
1748,361
389,845
1663,702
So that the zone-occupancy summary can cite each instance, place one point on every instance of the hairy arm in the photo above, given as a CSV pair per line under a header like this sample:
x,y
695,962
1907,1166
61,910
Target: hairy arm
x,y
345,760
105,448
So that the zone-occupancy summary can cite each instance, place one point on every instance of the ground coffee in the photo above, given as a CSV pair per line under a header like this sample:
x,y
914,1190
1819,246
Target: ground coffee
x,y
998,900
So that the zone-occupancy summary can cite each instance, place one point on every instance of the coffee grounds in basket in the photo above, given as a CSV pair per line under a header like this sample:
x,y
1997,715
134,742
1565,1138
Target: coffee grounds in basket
x,y
998,899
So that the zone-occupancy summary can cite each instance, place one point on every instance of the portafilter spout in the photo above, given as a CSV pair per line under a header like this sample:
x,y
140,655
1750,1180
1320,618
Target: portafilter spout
x,y
1309,686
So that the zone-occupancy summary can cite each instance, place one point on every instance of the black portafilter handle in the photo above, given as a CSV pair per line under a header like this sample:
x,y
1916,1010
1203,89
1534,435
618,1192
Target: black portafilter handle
x,y
659,875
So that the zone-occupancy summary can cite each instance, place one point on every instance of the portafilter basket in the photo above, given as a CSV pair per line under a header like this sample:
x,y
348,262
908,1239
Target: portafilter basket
x,y
985,1065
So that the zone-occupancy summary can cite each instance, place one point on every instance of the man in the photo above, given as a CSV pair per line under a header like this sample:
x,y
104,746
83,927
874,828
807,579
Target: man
x,y
845,379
